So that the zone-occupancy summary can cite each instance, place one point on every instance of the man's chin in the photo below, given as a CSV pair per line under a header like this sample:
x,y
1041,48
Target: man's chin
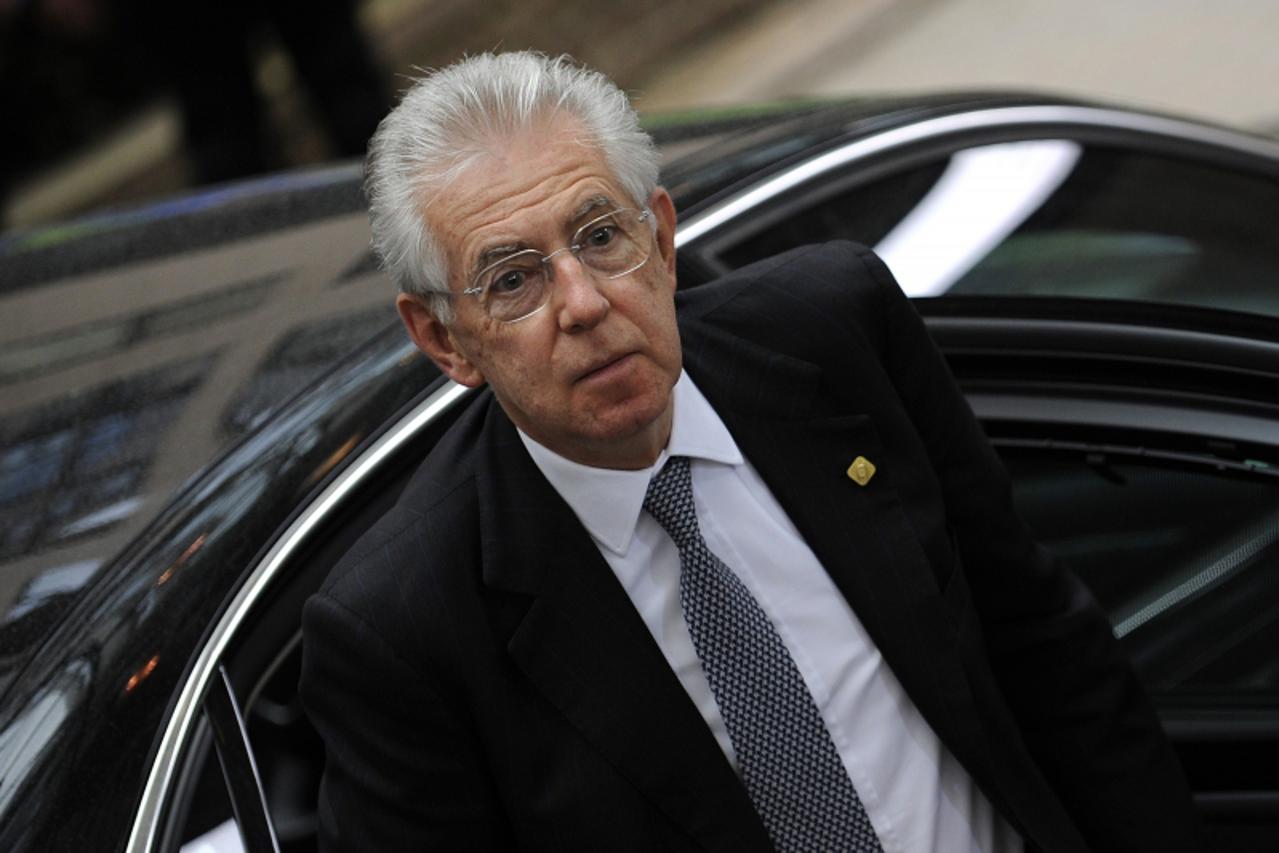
x,y
628,435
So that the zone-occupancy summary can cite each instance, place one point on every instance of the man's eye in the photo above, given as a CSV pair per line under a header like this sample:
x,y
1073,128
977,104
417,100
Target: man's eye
x,y
508,282
601,235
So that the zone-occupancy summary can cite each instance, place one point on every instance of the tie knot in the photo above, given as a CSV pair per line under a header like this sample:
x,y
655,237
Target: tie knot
x,y
670,501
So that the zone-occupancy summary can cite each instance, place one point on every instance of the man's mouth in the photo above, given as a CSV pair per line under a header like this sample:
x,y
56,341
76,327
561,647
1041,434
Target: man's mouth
x,y
602,369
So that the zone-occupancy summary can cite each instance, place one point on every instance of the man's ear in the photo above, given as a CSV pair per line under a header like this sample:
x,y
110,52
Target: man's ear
x,y
664,212
434,338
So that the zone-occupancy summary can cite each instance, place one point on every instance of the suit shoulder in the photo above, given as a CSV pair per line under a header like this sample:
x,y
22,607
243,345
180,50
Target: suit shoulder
x,y
838,291
837,276
425,540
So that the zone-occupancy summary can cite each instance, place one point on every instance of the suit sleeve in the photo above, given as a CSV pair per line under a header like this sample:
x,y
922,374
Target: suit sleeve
x,y
1080,708
402,771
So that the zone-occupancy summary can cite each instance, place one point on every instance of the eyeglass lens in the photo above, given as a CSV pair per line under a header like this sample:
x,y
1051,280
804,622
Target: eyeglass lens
x,y
611,245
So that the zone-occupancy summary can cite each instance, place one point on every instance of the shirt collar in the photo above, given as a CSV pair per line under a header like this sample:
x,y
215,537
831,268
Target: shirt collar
x,y
608,501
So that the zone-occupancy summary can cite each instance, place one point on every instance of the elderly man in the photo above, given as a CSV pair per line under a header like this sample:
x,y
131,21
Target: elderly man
x,y
728,570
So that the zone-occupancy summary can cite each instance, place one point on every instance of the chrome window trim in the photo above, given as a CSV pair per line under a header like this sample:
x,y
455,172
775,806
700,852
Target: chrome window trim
x,y
145,829
1021,117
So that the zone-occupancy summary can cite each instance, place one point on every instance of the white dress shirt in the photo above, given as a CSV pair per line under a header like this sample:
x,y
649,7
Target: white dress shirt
x,y
917,795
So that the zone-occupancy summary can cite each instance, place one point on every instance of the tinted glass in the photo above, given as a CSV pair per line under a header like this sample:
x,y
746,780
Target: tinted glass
x,y
1054,217
1185,561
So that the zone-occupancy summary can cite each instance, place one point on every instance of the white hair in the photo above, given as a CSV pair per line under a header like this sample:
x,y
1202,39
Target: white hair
x,y
451,117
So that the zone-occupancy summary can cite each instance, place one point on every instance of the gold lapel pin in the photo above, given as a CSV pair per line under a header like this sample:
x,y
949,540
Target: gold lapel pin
x,y
861,471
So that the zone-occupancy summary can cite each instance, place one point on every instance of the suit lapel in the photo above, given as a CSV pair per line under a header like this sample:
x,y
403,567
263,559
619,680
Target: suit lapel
x,y
584,646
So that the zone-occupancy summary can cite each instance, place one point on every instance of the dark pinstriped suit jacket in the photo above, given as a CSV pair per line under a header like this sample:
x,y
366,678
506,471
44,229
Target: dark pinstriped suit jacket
x,y
482,681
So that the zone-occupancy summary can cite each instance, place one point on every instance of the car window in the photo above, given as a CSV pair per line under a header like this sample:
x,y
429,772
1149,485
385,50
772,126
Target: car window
x,y
1050,217
1184,559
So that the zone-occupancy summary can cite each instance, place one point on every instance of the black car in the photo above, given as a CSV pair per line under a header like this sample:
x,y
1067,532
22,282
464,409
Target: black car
x,y
207,401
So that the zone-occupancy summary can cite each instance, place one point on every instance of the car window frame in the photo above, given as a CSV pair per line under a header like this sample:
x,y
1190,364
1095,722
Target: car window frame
x,y
733,216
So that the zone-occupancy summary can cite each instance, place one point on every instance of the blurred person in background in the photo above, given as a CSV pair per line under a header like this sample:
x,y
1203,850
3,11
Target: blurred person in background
x,y
68,71
205,51
72,71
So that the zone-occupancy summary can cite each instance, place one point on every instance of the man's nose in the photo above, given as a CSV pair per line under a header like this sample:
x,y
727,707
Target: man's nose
x,y
578,302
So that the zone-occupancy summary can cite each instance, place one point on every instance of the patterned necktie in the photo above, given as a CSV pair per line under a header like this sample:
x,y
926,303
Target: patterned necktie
x,y
788,761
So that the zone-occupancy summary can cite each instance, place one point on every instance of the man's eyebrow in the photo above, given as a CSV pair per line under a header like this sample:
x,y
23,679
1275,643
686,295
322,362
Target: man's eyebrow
x,y
493,254
591,205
